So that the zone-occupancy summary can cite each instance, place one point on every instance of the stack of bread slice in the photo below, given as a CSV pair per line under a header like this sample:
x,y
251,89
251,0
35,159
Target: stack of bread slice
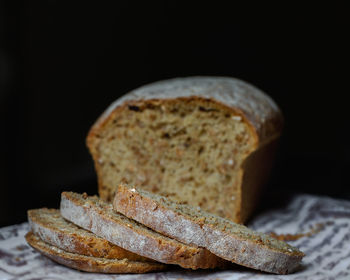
x,y
142,232
77,248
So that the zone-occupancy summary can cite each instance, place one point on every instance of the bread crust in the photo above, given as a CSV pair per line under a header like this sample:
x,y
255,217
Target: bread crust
x,y
254,251
123,232
73,239
90,264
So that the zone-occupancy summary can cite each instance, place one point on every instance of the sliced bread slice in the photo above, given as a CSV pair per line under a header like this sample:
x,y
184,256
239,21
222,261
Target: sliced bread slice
x,y
90,264
222,237
50,226
98,217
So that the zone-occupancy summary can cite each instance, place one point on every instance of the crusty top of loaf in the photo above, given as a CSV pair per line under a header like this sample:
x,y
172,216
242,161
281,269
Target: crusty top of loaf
x,y
258,108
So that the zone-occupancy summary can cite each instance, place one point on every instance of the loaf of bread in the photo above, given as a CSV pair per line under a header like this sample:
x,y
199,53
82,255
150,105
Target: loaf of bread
x,y
90,264
93,214
224,238
204,141
50,227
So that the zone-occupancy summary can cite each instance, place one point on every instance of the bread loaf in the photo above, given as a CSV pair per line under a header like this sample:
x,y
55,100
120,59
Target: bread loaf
x,y
98,217
205,141
90,264
231,241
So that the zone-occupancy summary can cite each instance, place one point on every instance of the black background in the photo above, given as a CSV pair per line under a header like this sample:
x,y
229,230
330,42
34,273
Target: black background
x,y
62,64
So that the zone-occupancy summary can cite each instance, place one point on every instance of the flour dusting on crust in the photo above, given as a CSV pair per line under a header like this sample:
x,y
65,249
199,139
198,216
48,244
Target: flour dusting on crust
x,y
257,106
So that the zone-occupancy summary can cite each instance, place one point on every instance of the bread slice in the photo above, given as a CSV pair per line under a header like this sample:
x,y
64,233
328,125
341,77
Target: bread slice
x,y
222,237
90,264
50,226
95,215
204,141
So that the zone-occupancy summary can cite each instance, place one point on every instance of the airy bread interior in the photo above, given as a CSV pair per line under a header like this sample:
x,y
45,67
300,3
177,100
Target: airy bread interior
x,y
190,150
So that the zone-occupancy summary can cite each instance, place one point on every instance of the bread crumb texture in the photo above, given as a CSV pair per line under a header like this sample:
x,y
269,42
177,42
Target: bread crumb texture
x,y
189,152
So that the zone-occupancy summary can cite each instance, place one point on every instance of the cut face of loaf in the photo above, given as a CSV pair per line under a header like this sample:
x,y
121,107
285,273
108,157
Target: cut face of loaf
x,y
230,241
49,225
207,142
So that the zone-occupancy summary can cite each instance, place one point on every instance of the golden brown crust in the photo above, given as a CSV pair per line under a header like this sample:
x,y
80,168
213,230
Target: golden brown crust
x,y
260,164
53,229
90,264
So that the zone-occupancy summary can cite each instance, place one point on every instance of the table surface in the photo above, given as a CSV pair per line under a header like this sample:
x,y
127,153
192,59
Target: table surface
x,y
327,247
